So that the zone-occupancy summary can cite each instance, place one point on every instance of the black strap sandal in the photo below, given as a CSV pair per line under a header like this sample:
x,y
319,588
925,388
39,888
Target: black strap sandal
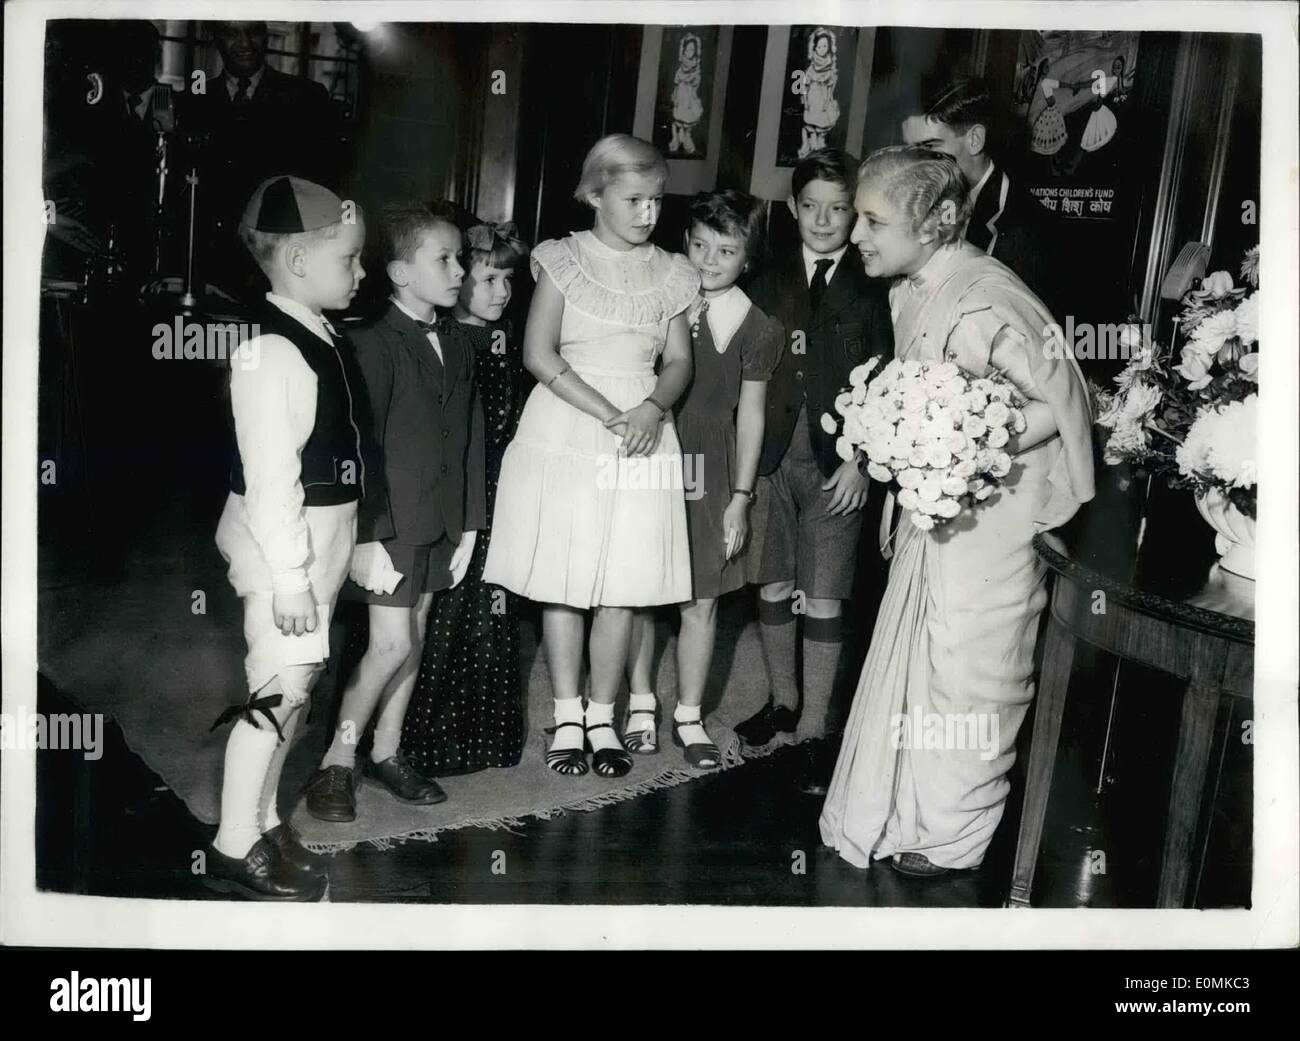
x,y
609,762
572,762
641,736
703,755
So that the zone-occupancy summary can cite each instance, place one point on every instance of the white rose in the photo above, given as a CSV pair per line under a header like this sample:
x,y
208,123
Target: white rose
x,y
964,468
938,456
997,414
910,478
922,521
828,424
998,437
842,401
1018,422
930,488
909,369
1249,366
914,401
973,426
946,371
917,456
907,499
1001,465
984,492
947,508
975,485
844,448
953,485
879,473
1000,392
956,442
974,401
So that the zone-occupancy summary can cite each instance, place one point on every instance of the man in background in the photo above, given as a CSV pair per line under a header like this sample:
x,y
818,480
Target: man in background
x,y
958,118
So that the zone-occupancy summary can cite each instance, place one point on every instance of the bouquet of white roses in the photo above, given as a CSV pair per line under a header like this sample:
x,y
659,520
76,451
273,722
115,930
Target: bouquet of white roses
x,y
934,430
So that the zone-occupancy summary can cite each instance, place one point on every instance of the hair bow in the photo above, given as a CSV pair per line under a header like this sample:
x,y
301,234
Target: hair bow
x,y
481,236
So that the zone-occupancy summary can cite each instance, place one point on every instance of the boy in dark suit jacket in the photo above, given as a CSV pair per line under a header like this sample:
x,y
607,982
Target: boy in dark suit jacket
x,y
422,506
809,507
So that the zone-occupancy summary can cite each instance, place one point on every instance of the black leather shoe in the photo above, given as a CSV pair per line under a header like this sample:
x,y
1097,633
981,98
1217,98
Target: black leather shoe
x,y
917,865
765,724
287,842
403,782
814,768
331,794
261,875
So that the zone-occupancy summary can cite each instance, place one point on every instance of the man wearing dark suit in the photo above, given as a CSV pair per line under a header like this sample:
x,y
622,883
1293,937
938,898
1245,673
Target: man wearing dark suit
x,y
1006,222
257,122
809,504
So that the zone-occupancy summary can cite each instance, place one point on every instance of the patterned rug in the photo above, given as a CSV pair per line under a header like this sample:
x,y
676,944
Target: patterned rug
x,y
161,654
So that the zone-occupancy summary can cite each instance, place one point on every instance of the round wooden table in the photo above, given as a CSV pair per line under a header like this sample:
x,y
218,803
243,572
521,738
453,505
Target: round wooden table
x,y
1207,639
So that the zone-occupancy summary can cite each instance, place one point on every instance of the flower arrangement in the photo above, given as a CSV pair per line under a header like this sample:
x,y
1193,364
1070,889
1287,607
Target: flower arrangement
x,y
932,429
1193,422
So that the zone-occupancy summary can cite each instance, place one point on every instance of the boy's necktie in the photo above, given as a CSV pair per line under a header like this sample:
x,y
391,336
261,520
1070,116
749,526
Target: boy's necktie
x,y
242,96
817,287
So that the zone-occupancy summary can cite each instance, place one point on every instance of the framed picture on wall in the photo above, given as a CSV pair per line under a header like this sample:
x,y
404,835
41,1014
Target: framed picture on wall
x,y
681,89
814,95
1073,94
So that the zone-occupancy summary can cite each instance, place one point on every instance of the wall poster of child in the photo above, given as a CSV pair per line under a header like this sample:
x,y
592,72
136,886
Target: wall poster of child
x,y
818,89
687,59
1071,91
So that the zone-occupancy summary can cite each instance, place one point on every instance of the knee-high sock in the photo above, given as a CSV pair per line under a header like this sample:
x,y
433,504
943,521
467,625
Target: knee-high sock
x,y
777,629
823,651
249,752
270,790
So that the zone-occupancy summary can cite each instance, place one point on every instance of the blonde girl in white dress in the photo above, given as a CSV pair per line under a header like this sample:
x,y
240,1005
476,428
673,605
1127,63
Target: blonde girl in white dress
x,y
590,511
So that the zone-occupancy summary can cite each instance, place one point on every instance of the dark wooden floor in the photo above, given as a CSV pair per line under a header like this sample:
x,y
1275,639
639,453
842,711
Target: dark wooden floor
x,y
747,836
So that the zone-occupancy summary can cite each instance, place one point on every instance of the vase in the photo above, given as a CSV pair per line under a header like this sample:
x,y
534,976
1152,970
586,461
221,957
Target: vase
x,y
1234,533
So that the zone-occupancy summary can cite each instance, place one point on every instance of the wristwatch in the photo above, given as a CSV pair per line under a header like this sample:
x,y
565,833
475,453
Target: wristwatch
x,y
748,493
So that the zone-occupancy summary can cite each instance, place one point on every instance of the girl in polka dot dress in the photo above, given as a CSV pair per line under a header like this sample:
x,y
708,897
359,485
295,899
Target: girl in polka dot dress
x,y
466,713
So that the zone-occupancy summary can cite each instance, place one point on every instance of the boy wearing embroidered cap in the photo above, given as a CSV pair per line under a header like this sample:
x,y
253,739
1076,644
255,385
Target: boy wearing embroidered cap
x,y
422,507
289,525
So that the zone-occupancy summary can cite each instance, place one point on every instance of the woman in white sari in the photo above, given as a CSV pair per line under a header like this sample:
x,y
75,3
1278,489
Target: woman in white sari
x,y
922,772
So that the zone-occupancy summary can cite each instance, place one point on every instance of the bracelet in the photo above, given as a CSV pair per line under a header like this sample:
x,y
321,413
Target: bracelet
x,y
558,375
651,399
746,492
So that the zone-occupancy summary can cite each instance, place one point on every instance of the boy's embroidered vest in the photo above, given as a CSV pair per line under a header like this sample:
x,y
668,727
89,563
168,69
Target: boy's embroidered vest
x,y
332,471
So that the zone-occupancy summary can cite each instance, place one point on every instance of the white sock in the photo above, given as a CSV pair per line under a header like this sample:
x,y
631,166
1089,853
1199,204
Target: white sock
x,y
690,726
567,710
605,736
249,752
343,749
271,787
385,741
642,703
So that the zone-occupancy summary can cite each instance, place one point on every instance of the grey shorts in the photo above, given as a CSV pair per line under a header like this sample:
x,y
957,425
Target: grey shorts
x,y
793,537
